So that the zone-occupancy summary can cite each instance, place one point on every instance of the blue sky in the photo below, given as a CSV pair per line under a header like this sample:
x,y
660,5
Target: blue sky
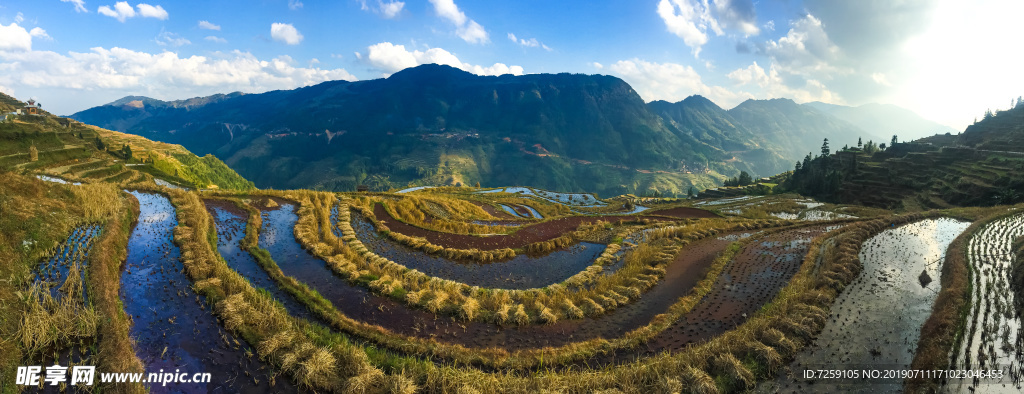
x,y
947,60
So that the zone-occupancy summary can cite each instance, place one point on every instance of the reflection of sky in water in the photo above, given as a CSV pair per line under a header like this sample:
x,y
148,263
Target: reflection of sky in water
x,y
877,319
155,216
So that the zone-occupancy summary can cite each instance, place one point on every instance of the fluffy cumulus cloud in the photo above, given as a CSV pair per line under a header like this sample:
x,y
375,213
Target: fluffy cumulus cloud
x,y
532,43
390,58
123,11
117,72
15,38
286,33
773,85
388,10
38,32
807,49
207,25
692,20
465,28
672,82
79,5
152,11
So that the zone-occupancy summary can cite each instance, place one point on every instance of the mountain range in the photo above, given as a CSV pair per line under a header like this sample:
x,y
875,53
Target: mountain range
x,y
433,125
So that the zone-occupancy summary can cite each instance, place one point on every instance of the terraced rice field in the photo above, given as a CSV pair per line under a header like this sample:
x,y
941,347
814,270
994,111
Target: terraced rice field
x,y
659,291
172,326
993,338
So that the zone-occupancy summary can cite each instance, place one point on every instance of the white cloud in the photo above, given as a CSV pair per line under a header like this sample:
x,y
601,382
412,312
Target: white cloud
x,y
19,18
151,11
672,82
119,71
773,85
770,26
692,19
806,49
388,10
597,65
532,43
121,11
294,4
688,20
166,38
881,79
208,25
285,33
38,32
390,58
465,28
15,38
216,39
391,9
738,14
79,5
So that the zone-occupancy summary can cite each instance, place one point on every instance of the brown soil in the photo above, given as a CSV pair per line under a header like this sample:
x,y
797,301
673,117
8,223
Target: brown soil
x,y
749,281
681,213
490,209
539,232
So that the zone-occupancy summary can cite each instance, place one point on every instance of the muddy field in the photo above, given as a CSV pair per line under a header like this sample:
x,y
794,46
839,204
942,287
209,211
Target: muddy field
x,y
876,321
539,232
751,279
520,272
173,326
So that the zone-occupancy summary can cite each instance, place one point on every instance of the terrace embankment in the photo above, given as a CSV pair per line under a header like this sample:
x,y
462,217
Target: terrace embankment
x,y
540,232
173,327
231,221
876,321
361,305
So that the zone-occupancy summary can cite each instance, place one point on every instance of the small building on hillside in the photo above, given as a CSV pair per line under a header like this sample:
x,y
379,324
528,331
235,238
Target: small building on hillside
x,y
32,108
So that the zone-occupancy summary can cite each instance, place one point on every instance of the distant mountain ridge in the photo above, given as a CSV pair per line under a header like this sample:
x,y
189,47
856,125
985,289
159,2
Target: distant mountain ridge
x,y
885,120
436,124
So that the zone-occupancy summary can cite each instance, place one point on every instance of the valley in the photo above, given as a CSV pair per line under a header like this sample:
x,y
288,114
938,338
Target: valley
x,y
163,259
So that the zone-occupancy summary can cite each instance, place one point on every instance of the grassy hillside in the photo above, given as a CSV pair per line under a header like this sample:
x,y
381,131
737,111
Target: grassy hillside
x,y
76,152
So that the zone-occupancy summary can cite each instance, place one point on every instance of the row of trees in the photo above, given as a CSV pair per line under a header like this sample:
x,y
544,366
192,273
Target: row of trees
x,y
743,179
822,175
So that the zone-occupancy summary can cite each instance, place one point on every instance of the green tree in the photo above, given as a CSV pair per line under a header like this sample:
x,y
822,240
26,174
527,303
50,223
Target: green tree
x,y
100,145
691,193
881,146
126,151
894,140
745,179
798,166
824,149
859,144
